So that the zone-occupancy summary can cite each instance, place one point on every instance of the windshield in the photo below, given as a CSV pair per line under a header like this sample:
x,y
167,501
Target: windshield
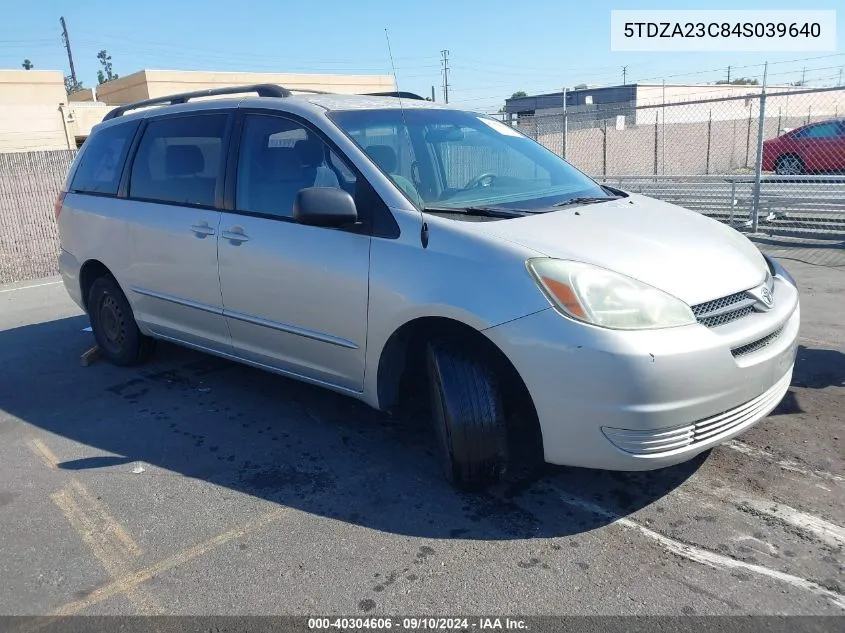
x,y
448,159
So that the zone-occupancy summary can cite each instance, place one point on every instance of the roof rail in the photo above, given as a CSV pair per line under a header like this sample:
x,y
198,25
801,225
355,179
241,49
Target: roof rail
x,y
310,92
263,90
401,95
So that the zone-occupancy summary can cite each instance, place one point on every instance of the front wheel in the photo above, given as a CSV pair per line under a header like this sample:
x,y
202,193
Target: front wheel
x,y
114,326
789,165
468,417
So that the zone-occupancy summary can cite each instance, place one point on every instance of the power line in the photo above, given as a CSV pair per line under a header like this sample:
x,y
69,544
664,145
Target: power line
x,y
554,90
445,54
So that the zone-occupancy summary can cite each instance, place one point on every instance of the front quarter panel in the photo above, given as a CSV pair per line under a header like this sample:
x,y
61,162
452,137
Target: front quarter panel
x,y
462,275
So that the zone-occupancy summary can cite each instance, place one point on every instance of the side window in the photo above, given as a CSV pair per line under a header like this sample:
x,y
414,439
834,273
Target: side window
x,y
822,130
102,159
277,158
179,160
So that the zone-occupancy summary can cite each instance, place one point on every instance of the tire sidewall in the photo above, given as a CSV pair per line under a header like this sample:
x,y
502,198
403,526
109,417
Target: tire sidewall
x,y
439,418
127,353
796,160
470,460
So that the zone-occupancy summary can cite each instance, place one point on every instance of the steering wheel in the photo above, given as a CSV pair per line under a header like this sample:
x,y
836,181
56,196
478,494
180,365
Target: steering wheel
x,y
481,178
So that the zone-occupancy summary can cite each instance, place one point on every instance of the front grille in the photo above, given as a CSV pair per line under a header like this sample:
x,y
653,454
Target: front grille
x,y
756,345
657,442
727,309
726,317
724,310
718,304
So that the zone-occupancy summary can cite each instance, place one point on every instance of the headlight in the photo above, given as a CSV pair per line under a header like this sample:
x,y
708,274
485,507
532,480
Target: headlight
x,y
777,270
605,298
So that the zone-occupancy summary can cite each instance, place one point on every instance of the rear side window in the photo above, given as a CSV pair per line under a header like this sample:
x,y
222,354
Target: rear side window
x,y
102,160
179,160
822,130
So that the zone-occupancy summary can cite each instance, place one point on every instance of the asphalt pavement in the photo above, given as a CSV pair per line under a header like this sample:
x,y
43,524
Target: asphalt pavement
x,y
192,485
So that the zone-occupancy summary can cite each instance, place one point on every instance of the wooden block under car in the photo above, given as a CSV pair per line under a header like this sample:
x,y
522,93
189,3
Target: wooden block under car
x,y
90,356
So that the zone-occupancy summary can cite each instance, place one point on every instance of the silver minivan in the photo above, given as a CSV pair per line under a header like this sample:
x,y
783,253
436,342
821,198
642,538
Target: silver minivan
x,y
384,246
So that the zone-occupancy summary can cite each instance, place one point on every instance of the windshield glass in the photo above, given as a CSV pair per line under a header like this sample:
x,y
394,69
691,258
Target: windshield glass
x,y
444,159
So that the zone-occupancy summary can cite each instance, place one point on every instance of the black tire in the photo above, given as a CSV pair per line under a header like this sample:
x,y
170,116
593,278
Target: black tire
x,y
114,326
468,417
789,165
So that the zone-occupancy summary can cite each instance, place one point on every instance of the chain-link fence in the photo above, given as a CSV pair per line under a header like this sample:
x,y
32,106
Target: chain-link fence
x,y
770,164
29,240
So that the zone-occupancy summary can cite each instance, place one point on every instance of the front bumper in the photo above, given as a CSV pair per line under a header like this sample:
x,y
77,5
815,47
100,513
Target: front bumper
x,y
640,400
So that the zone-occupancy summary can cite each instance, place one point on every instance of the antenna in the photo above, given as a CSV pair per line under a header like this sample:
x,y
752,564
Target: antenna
x,y
424,228
395,79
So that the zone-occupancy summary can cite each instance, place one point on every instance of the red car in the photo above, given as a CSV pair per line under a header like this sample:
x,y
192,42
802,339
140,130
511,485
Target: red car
x,y
817,147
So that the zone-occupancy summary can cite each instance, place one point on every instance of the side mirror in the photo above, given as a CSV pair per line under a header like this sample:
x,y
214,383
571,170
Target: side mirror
x,y
324,206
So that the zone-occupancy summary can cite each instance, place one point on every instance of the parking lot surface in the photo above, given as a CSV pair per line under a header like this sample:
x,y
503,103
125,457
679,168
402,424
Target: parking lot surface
x,y
192,485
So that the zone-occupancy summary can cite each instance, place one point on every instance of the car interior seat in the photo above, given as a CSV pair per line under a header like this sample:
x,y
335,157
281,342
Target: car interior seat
x,y
277,176
385,157
183,166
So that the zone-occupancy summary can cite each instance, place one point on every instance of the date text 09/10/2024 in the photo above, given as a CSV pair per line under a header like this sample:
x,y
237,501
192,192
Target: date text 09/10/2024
x,y
416,624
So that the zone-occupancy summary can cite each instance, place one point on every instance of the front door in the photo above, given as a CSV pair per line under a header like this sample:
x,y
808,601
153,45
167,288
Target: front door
x,y
294,296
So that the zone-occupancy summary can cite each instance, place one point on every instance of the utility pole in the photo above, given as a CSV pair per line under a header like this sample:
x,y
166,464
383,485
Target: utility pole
x,y
803,76
66,39
445,60
624,74
839,83
758,165
432,94
729,75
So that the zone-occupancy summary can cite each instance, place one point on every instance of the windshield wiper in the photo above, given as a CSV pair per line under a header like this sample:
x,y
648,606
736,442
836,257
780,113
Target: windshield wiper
x,y
586,200
489,212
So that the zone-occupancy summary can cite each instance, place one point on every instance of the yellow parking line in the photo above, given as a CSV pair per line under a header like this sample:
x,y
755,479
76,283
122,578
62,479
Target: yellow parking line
x,y
41,450
114,548
129,582
95,537
107,545
110,528
109,542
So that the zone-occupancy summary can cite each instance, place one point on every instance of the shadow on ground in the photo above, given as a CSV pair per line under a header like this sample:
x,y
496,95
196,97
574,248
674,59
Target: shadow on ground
x,y
818,368
291,443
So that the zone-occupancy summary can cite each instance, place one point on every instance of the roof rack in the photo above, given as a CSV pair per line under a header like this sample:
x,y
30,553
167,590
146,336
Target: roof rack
x,y
263,90
400,95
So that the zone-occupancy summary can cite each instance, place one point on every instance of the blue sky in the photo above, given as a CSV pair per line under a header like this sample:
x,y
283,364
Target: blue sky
x,y
495,47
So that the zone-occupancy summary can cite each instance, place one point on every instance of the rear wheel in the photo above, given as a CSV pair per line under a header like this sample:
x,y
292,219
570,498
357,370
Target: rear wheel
x,y
468,416
114,326
789,165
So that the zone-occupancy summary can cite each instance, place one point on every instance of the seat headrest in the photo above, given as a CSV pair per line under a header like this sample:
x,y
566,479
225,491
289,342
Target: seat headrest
x,y
310,151
383,156
184,160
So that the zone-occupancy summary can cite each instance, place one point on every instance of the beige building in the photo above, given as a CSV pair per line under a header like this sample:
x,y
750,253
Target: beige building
x,y
36,114
689,103
30,118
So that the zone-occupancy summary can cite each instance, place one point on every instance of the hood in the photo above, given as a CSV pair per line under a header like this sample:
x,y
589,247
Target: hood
x,y
681,252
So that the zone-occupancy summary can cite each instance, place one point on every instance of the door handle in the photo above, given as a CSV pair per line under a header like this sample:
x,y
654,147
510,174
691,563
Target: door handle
x,y
236,235
202,229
